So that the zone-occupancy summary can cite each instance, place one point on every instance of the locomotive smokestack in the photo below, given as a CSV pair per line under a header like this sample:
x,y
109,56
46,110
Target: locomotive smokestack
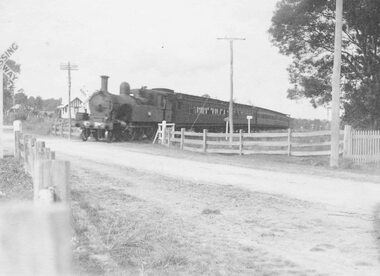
x,y
104,86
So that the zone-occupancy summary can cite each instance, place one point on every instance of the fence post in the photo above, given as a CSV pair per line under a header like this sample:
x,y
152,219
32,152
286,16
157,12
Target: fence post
x,y
347,141
163,132
61,129
182,138
17,145
55,174
204,146
47,153
17,129
26,152
289,141
35,240
240,142
170,131
52,155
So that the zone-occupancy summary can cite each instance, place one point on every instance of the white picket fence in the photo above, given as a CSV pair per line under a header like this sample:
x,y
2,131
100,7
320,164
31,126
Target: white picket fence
x,y
362,146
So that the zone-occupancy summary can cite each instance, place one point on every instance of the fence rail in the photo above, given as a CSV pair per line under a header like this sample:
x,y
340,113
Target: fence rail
x,y
314,143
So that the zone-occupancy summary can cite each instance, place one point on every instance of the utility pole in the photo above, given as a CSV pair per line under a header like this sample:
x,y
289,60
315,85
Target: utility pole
x,y
230,112
335,120
69,67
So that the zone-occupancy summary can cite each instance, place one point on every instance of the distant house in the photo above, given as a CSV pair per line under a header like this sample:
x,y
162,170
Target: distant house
x,y
76,106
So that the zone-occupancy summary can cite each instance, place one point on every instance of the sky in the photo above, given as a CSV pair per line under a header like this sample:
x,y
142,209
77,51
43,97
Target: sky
x,y
166,43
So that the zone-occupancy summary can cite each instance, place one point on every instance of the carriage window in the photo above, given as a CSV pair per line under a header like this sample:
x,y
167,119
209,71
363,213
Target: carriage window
x,y
162,101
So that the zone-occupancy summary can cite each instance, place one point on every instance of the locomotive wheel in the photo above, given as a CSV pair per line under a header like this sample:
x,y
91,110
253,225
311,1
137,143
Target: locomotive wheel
x,y
95,135
109,136
83,135
126,135
150,133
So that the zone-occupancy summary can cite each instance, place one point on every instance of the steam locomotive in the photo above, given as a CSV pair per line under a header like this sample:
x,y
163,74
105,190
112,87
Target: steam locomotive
x,y
135,113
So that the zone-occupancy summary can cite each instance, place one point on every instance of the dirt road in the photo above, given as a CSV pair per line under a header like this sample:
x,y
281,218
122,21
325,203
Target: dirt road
x,y
260,221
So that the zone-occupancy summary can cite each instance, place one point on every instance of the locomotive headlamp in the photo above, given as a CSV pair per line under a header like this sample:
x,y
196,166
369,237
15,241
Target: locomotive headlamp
x,y
149,113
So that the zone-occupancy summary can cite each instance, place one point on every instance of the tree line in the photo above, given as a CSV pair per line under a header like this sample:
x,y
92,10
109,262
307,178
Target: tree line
x,y
304,30
12,97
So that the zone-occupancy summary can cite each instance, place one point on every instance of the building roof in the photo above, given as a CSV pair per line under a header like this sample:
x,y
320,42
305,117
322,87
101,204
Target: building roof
x,y
64,105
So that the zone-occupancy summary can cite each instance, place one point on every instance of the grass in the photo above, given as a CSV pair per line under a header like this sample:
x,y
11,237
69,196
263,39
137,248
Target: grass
x,y
15,183
134,239
38,126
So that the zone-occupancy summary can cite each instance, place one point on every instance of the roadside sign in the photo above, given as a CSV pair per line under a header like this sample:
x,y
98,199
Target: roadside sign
x,y
249,117
7,54
11,76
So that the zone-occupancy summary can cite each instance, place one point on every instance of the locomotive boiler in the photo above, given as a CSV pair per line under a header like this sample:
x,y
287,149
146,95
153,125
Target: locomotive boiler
x,y
135,113
131,115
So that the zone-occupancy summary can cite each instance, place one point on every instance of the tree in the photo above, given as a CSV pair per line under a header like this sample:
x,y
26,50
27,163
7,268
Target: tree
x,y
21,98
304,30
31,101
38,103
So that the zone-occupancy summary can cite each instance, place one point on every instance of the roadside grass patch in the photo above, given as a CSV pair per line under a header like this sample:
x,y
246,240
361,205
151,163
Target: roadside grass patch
x,y
38,126
133,239
15,183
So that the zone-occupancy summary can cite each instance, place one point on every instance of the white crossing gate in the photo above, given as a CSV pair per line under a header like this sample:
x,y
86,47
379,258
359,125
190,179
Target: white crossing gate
x,y
164,133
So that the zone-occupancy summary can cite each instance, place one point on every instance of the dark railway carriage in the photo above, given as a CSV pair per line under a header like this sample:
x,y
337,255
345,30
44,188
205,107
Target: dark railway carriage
x,y
135,113
196,112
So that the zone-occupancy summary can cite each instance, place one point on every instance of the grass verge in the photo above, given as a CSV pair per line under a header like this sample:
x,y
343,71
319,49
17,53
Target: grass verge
x,y
15,183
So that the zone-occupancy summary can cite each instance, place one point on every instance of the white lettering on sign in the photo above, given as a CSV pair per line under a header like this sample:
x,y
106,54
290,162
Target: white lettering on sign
x,y
7,54
10,74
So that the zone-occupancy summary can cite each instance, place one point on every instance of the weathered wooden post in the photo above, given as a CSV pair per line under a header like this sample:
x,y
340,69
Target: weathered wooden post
x,y
52,174
33,155
47,153
26,152
61,130
170,131
17,130
182,138
204,145
52,155
347,145
289,141
17,145
240,142
35,240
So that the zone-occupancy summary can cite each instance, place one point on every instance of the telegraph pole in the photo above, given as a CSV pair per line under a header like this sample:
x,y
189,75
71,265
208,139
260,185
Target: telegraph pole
x,y
335,120
69,67
230,112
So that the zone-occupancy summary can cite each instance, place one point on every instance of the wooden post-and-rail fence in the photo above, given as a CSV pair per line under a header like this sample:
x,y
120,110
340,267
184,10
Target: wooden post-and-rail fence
x,y
37,237
360,146
285,143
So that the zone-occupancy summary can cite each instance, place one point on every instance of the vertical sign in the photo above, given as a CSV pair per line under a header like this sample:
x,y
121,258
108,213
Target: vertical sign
x,y
3,59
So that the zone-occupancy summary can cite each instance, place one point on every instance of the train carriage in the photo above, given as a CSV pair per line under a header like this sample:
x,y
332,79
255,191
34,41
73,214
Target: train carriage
x,y
135,113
